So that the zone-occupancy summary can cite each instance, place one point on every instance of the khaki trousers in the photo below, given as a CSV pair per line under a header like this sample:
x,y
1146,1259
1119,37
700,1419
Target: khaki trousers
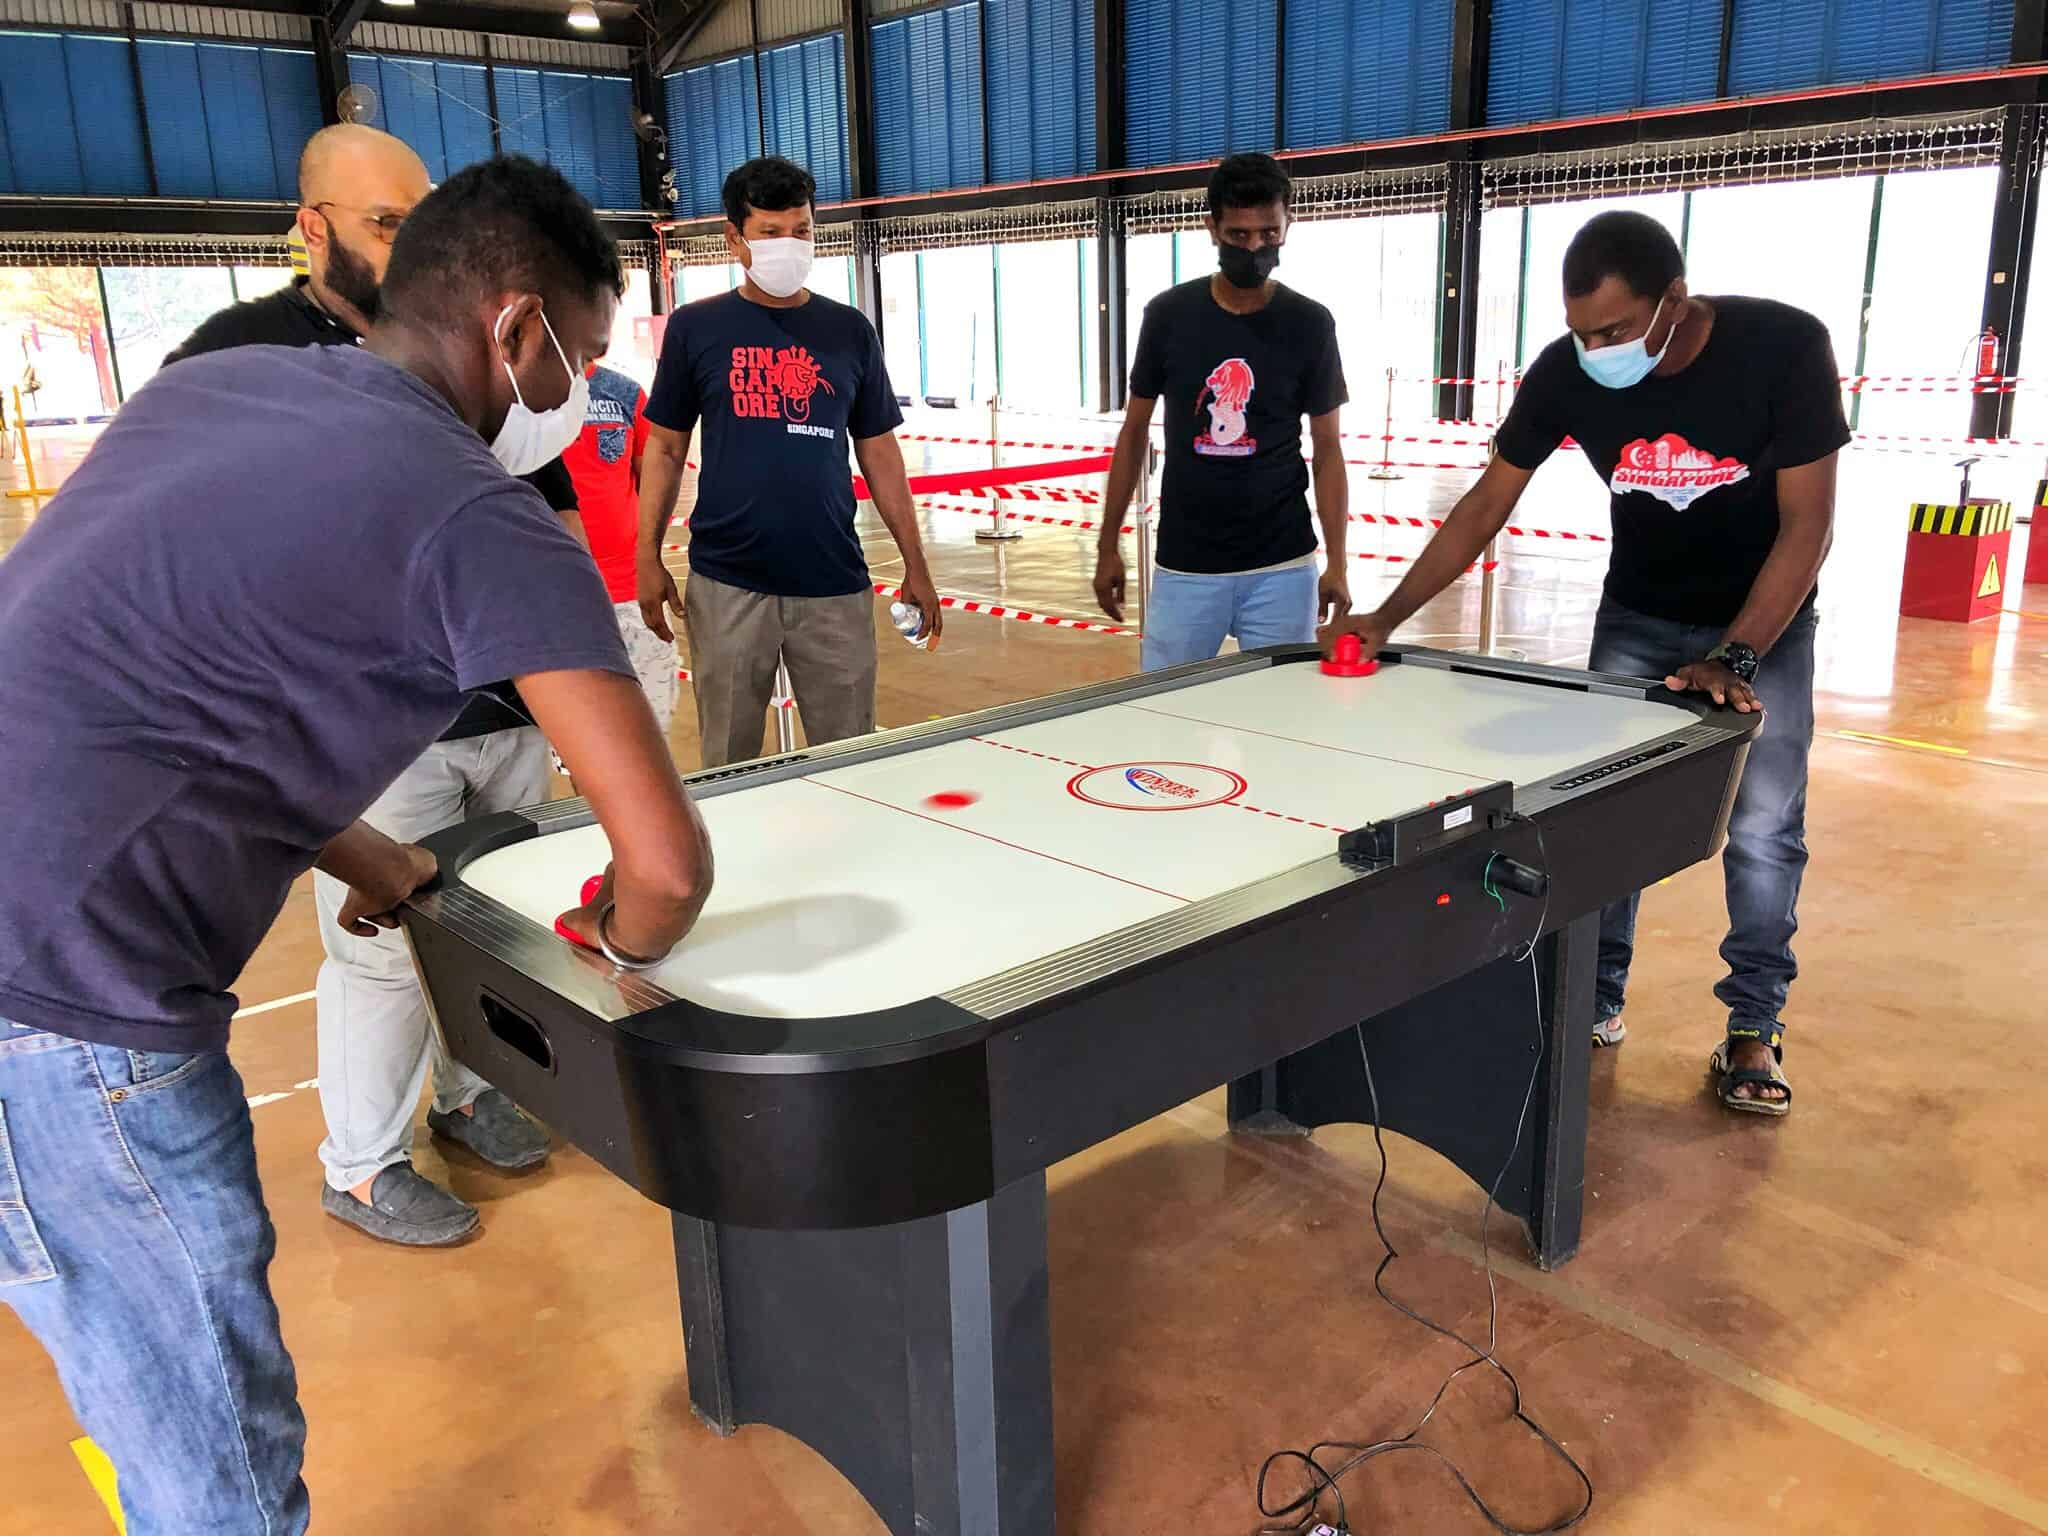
x,y
736,637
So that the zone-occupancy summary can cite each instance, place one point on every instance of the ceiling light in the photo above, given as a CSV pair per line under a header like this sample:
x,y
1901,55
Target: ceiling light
x,y
583,16
403,5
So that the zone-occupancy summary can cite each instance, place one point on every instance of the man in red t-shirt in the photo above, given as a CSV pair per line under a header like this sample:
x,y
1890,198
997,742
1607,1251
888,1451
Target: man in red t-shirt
x,y
605,464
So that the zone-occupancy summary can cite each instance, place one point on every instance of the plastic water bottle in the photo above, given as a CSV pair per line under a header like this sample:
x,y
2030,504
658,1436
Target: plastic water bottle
x,y
909,621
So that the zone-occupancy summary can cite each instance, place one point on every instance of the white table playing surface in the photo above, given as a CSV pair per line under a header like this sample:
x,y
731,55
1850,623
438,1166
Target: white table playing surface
x,y
852,890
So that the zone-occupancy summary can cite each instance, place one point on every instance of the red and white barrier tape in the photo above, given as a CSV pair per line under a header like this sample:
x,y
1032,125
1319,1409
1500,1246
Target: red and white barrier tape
x,y
1437,522
1017,615
1476,565
1036,493
1003,474
938,505
1002,442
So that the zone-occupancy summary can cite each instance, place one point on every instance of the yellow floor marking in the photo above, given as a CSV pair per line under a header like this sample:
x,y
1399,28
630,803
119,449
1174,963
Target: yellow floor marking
x,y
1904,741
100,1473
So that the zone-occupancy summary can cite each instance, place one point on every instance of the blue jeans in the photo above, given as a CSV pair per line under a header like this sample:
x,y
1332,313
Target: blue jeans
x,y
1766,852
1187,618
135,1246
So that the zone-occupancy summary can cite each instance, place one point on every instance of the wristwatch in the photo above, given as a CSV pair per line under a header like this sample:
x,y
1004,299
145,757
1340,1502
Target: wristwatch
x,y
1737,658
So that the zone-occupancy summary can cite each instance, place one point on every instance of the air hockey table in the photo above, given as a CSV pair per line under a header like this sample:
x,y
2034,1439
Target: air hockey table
x,y
938,960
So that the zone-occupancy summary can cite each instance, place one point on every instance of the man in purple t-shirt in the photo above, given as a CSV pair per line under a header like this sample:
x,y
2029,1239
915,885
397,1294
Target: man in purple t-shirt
x,y
265,591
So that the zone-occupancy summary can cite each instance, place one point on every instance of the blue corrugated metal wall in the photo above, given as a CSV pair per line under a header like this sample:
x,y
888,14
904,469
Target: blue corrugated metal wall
x,y
227,120
1199,78
1041,88
1366,69
1568,58
578,123
805,107
930,126
1786,44
713,126
438,106
72,123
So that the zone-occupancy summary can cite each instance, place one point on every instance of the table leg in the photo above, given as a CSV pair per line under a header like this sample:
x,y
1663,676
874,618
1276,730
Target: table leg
x,y
1452,1067
916,1358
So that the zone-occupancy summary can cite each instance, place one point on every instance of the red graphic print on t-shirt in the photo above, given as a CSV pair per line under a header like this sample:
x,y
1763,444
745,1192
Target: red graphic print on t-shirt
x,y
775,384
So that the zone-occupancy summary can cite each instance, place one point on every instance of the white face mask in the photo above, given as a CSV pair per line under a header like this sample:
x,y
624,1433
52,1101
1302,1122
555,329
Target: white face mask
x,y
781,267
532,438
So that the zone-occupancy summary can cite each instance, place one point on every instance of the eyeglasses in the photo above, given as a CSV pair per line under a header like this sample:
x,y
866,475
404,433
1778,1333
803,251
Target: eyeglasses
x,y
385,224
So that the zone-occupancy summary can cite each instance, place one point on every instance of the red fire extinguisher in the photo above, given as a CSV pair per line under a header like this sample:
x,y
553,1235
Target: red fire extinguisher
x,y
1987,354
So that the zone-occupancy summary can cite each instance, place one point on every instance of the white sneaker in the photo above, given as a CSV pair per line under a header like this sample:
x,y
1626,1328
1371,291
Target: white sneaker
x,y
1609,1031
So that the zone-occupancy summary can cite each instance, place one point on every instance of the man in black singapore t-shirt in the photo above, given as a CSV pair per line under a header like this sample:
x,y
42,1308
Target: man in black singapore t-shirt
x,y
780,383
1239,360
1714,423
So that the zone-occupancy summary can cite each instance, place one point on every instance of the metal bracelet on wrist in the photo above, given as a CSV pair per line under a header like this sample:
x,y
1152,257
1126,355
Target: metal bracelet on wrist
x,y
604,942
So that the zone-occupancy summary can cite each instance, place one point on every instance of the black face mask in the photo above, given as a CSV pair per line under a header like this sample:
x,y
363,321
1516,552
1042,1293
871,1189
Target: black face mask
x,y
1247,269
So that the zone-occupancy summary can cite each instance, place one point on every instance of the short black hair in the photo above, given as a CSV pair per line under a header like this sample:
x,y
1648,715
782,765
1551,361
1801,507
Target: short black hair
x,y
1248,181
769,183
1631,246
501,224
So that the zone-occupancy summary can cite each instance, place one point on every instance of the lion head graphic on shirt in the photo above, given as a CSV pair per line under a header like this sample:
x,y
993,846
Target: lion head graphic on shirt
x,y
797,377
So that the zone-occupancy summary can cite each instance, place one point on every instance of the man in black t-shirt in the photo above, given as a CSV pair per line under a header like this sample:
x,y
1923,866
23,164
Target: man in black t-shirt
x,y
780,379
376,1041
1714,423
1239,360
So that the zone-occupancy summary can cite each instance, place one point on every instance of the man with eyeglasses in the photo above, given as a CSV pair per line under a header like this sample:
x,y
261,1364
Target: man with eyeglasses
x,y
376,1041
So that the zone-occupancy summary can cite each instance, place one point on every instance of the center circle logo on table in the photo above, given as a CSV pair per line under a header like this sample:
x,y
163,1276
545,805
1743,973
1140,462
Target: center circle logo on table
x,y
1156,786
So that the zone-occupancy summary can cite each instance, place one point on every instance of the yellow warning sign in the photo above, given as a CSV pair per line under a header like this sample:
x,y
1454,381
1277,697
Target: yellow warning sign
x,y
100,1473
1991,587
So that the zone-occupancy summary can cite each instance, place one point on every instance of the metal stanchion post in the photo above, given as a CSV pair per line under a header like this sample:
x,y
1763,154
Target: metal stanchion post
x,y
1487,596
785,711
1386,469
1144,522
999,522
1489,600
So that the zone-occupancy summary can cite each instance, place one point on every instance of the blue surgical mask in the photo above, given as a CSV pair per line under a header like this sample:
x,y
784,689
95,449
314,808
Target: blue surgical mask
x,y
1626,362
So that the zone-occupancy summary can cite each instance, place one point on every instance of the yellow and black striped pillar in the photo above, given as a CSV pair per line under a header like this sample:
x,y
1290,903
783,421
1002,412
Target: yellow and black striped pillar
x,y
1956,560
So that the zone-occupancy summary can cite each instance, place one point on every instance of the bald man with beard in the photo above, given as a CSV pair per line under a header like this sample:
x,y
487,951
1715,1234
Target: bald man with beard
x,y
376,1040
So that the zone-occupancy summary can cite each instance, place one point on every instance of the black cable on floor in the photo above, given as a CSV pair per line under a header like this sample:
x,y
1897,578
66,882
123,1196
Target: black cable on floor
x,y
1306,1508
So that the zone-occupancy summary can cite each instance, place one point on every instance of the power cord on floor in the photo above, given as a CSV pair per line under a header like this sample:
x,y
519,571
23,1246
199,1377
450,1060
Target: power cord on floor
x,y
1306,1508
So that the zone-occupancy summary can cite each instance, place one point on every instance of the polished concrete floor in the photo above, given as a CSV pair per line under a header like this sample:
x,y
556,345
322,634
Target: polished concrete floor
x,y
1837,1323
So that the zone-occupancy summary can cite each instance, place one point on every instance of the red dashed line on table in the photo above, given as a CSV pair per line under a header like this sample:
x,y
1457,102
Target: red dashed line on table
x,y
1047,757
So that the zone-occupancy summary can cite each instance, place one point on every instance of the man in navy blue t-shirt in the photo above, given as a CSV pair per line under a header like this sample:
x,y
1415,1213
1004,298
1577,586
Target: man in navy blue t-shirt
x,y
779,378
231,630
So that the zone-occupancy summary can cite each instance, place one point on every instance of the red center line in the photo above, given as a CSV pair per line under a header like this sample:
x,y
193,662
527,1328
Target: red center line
x,y
1300,741
1037,853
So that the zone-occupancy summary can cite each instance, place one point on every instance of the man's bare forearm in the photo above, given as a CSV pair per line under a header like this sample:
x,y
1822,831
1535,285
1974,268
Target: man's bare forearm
x,y
1474,523
898,513
1133,442
359,856
1780,588
661,482
1333,505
